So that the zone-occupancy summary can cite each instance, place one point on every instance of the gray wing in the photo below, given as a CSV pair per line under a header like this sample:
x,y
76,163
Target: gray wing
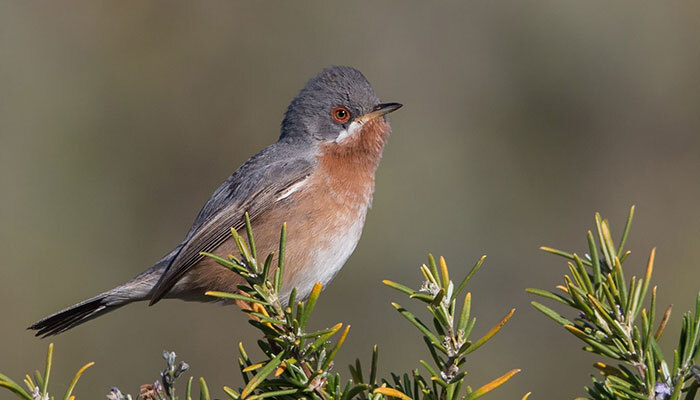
x,y
252,188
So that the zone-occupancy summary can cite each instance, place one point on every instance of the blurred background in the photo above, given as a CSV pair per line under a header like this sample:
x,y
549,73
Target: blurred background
x,y
521,119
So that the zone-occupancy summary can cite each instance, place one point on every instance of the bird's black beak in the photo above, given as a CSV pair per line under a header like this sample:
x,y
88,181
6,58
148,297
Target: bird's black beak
x,y
385,108
378,111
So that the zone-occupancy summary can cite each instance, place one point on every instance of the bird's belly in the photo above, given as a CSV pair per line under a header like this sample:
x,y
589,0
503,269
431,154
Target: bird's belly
x,y
324,260
321,236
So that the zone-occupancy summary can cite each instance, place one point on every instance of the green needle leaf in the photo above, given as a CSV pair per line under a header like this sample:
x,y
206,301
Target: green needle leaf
x,y
310,303
465,314
262,375
490,333
421,327
188,389
433,271
47,371
234,296
204,390
276,393
469,276
280,259
552,296
249,232
491,385
373,367
234,395
595,260
399,287
75,380
391,393
14,388
224,262
336,348
551,314
623,240
562,254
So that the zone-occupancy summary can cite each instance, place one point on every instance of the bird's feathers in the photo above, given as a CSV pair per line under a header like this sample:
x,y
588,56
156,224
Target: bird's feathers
x,y
253,188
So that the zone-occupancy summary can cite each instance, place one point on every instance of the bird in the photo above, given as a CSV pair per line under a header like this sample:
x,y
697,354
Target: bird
x,y
318,178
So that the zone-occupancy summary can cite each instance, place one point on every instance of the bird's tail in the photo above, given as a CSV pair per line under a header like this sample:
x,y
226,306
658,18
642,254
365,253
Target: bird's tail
x,y
137,289
76,315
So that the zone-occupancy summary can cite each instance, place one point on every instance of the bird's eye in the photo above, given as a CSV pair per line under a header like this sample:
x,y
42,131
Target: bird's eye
x,y
340,114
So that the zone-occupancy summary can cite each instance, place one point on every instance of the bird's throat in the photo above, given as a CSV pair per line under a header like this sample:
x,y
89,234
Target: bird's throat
x,y
363,143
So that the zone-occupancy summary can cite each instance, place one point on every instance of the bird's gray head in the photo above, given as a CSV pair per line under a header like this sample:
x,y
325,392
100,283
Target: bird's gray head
x,y
332,105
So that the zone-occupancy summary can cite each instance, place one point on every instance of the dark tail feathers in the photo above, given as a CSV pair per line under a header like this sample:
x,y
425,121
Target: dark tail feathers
x,y
74,316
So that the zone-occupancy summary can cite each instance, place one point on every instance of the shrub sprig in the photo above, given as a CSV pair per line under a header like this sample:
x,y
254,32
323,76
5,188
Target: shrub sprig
x,y
613,322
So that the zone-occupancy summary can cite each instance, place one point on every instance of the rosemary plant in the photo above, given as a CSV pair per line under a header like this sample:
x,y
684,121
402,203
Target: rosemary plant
x,y
164,388
298,363
448,343
613,322
39,390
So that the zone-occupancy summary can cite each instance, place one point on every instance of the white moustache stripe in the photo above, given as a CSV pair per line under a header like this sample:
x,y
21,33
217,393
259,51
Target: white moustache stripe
x,y
354,128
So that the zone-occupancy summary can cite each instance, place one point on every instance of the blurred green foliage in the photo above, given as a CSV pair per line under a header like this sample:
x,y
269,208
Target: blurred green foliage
x,y
608,323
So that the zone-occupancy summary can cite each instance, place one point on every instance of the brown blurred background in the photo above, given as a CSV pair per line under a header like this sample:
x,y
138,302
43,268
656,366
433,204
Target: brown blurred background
x,y
521,119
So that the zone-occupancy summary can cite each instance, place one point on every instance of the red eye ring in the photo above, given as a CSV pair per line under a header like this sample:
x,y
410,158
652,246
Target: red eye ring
x,y
340,114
